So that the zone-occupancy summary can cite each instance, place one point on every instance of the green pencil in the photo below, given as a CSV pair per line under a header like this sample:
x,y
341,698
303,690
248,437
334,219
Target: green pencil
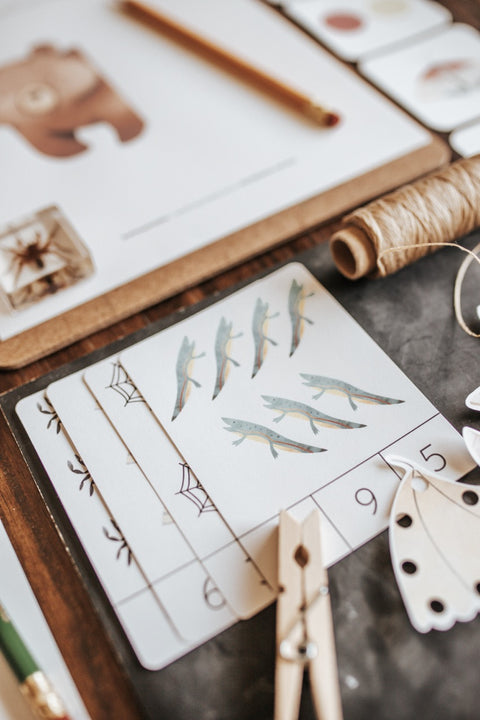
x,y
33,683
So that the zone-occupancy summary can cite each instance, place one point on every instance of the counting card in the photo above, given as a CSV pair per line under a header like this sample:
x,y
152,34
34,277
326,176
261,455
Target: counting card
x,y
152,610
362,27
244,586
160,548
437,79
274,395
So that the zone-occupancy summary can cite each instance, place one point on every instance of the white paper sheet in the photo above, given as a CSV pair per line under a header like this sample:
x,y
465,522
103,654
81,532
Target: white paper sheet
x,y
213,156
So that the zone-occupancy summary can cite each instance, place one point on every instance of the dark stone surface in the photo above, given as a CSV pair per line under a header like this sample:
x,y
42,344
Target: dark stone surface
x,y
387,670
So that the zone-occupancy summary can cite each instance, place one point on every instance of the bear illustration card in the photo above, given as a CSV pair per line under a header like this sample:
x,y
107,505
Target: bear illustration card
x,y
154,153
275,396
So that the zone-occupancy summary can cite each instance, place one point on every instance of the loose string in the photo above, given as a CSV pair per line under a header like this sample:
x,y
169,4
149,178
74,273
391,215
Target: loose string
x,y
461,272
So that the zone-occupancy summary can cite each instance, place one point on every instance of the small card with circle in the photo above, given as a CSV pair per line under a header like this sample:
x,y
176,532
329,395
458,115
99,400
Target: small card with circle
x,y
356,28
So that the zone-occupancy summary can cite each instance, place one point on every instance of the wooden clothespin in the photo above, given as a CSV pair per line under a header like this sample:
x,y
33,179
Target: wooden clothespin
x,y
305,636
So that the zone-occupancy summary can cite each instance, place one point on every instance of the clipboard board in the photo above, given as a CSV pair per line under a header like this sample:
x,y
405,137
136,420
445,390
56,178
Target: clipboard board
x,y
283,210
188,271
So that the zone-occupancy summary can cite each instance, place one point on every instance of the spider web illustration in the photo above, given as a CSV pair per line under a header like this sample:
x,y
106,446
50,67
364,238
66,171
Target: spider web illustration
x,y
122,385
193,491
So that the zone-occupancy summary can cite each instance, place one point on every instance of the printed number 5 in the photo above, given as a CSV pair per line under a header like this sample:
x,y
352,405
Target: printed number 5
x,y
433,455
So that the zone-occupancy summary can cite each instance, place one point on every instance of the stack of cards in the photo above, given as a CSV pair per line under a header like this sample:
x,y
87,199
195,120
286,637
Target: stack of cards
x,y
174,459
412,51
357,28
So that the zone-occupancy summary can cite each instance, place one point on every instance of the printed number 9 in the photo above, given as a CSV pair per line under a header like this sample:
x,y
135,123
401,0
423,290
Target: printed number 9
x,y
365,497
426,457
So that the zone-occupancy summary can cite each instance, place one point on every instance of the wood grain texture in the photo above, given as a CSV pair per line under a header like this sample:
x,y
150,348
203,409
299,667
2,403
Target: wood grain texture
x,y
58,587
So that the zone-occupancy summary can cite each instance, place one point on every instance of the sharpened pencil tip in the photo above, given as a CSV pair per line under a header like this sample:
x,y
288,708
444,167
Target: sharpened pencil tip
x,y
332,119
321,115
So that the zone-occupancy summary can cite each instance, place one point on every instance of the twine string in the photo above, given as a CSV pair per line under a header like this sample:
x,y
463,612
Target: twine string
x,y
461,272
432,212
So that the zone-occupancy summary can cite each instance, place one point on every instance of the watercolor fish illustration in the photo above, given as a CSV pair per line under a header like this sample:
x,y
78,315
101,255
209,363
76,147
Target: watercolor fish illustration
x,y
296,298
352,393
259,322
223,340
184,364
260,433
306,412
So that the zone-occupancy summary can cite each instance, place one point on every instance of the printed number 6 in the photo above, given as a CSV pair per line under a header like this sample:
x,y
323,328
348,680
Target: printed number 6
x,y
432,455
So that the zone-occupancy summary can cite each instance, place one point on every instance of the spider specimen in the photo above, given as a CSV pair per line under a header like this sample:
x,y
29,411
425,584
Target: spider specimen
x,y
31,254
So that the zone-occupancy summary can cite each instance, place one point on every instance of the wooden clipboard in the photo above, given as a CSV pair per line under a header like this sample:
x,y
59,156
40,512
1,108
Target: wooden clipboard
x,y
188,271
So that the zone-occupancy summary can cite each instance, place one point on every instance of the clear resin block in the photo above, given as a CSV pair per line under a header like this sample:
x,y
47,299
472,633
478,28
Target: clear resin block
x,y
39,256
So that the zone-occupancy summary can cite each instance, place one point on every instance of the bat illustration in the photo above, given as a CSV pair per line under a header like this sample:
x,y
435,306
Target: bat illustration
x,y
222,347
306,412
184,361
296,299
260,339
338,387
245,429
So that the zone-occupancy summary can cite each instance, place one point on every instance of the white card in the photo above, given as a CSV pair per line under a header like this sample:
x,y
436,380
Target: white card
x,y
466,141
24,611
130,590
306,400
101,538
159,547
224,558
437,79
356,28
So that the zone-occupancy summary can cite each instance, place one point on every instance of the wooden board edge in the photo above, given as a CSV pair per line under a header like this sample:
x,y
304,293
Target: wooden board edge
x,y
208,261
89,655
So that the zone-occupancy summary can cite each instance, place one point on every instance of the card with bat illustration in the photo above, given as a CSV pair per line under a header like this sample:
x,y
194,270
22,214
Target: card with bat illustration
x,y
176,580
274,393
154,633
354,29
244,586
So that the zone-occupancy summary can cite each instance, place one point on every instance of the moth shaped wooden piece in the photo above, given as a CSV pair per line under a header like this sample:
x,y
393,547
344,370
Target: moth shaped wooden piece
x,y
434,538
470,435
473,400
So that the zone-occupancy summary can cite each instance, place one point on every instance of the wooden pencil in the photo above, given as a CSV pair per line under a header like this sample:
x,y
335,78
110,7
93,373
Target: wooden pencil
x,y
305,105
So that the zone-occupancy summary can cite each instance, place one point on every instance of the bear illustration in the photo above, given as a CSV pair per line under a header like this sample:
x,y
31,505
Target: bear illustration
x,y
51,93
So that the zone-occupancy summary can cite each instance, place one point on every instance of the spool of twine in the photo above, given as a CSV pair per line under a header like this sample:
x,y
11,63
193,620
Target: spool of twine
x,y
417,219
